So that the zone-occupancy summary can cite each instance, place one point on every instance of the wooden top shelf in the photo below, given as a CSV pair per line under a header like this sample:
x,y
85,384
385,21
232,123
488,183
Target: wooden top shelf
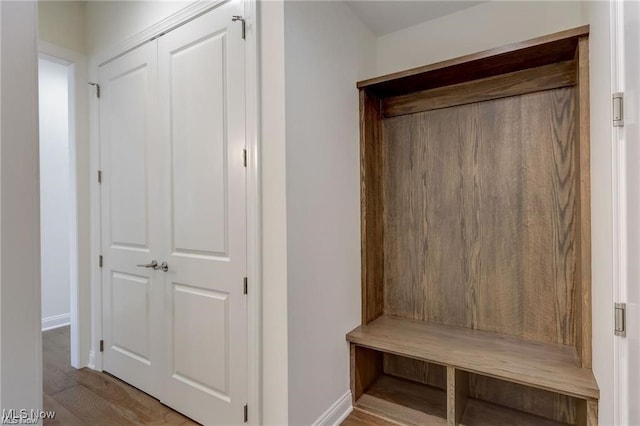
x,y
532,53
546,366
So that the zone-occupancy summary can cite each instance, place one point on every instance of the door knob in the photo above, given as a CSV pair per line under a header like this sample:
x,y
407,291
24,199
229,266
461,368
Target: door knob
x,y
164,267
153,264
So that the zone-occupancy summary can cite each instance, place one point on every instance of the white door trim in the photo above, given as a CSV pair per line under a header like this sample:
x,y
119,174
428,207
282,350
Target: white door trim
x,y
254,215
78,121
620,225
254,207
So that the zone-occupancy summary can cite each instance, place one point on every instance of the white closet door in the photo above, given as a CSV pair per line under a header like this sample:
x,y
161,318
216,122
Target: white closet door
x,y
132,227
202,102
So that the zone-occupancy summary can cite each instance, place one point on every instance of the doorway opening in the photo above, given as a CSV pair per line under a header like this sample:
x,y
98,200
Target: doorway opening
x,y
58,225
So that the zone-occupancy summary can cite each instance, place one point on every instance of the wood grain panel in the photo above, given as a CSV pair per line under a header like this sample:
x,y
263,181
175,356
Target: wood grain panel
x,y
550,405
413,369
546,366
371,182
366,366
480,216
500,217
419,242
547,77
550,191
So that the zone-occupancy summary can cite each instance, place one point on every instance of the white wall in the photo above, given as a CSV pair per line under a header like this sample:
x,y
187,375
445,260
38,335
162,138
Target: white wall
x,y
111,22
327,50
275,391
488,25
63,23
21,356
1,403
602,243
55,192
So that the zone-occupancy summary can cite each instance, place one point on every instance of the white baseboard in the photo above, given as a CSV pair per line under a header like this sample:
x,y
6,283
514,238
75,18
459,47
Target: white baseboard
x,y
56,321
337,412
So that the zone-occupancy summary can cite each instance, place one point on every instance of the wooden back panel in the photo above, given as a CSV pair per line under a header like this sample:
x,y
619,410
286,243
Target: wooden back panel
x,y
480,215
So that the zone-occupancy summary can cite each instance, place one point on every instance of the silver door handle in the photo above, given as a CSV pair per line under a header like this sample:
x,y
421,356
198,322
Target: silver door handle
x,y
164,267
153,264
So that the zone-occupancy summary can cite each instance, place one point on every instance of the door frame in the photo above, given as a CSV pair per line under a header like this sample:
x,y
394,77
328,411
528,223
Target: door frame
x,y
76,64
622,223
619,198
253,194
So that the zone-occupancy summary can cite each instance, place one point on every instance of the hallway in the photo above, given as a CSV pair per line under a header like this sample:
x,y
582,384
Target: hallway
x,y
87,397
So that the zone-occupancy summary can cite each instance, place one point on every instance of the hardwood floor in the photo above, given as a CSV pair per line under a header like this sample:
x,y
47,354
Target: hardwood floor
x,y
359,418
87,397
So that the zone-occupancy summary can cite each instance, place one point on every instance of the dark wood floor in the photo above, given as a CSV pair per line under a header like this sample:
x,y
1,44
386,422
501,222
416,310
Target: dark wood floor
x,y
87,397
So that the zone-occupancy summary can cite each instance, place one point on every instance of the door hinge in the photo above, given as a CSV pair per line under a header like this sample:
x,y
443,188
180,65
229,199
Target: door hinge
x,y
246,285
620,318
618,109
246,413
101,345
99,176
244,153
236,18
97,86
100,261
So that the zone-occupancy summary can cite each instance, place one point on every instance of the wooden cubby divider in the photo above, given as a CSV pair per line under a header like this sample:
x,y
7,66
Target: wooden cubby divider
x,y
457,394
476,240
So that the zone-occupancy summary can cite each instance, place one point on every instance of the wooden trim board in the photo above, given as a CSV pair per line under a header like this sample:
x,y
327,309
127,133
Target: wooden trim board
x,y
547,77
457,394
584,205
371,206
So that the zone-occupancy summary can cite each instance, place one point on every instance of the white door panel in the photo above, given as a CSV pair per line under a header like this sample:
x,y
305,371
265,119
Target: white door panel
x,y
128,152
199,143
201,74
210,333
131,226
174,190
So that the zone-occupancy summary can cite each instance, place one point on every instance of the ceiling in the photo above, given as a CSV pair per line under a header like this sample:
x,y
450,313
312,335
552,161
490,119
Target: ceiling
x,y
383,17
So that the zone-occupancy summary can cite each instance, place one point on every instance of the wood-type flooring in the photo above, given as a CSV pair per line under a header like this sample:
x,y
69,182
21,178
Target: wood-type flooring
x,y
88,397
